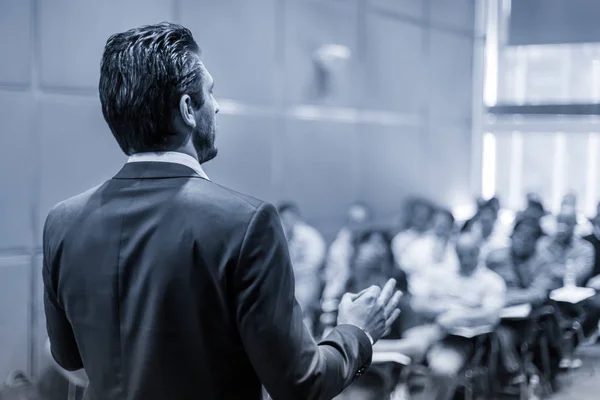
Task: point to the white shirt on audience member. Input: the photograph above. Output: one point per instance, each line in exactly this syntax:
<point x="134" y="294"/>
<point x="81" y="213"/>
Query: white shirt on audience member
<point x="498" y="239"/>
<point x="403" y="240"/>
<point x="484" y="289"/>
<point x="307" y="252"/>
<point x="337" y="268"/>
<point x="425" y="255"/>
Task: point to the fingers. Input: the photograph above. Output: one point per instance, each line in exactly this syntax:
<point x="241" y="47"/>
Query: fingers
<point x="392" y="318"/>
<point x="371" y="291"/>
<point x="350" y="297"/>
<point x="387" y="332"/>
<point x="392" y="304"/>
<point x="387" y="323"/>
<point x="354" y="296"/>
<point x="387" y="292"/>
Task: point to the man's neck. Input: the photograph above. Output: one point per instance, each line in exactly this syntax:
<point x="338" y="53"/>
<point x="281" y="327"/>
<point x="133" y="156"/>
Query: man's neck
<point x="487" y="231"/>
<point x="186" y="149"/>
<point x="442" y="238"/>
<point x="469" y="274"/>
<point x="565" y="243"/>
<point x="520" y="258"/>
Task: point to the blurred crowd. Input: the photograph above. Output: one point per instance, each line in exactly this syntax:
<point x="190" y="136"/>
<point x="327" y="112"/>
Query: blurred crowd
<point x="461" y="281"/>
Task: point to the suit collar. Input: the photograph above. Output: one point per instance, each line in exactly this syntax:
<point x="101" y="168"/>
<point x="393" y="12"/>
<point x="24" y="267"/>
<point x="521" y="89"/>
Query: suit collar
<point x="161" y="165"/>
<point x="170" y="157"/>
<point x="155" y="170"/>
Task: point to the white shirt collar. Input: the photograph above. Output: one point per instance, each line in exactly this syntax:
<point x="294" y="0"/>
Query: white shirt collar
<point x="170" y="157"/>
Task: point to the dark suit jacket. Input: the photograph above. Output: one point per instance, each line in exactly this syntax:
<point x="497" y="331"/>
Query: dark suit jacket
<point x="164" y="285"/>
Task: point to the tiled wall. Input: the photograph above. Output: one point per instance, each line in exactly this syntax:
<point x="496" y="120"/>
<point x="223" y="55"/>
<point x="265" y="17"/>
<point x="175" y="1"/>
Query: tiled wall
<point x="398" y="120"/>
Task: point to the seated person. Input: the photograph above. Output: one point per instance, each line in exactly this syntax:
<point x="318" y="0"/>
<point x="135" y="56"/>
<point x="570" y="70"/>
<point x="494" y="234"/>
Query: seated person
<point x="373" y="264"/>
<point x="528" y="277"/>
<point x="590" y="324"/>
<point x="535" y="208"/>
<point x="419" y="213"/>
<point x="469" y="297"/>
<point x="337" y="265"/>
<point x="568" y="204"/>
<point x="491" y="232"/>
<point x="307" y="253"/>
<point x="563" y="247"/>
<point x="528" y="274"/>
<point x="434" y="251"/>
<point x="573" y="260"/>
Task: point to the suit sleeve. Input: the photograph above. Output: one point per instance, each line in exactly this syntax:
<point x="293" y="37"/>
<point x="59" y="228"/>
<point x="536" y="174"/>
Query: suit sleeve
<point x="62" y="339"/>
<point x="286" y="358"/>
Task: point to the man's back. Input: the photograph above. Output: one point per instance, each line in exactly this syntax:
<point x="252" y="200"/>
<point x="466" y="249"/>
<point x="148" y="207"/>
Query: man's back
<point x="122" y="248"/>
<point x="147" y="270"/>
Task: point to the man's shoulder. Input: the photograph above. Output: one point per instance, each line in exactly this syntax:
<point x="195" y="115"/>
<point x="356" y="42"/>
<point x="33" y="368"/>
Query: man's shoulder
<point x="584" y="244"/>
<point x="428" y="240"/>
<point x="71" y="206"/>
<point x="490" y="278"/>
<point x="310" y="232"/>
<point x="544" y="242"/>
<point x="224" y="207"/>
<point x="196" y="198"/>
<point x="499" y="255"/>
<point x="221" y="195"/>
<point x="500" y="252"/>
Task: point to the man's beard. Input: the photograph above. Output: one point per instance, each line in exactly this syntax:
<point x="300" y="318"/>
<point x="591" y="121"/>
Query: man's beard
<point x="204" y="141"/>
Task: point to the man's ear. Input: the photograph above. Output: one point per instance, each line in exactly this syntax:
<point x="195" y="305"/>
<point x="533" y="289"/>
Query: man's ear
<point x="187" y="111"/>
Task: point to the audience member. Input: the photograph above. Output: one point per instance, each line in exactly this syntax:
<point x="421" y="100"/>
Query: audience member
<point x="470" y="297"/>
<point x="373" y="264"/>
<point x="535" y="208"/>
<point x="564" y="249"/>
<point x="528" y="277"/>
<point x="573" y="260"/>
<point x="418" y="223"/>
<point x="485" y="226"/>
<point x="527" y="273"/>
<point x="592" y="306"/>
<point x="569" y="203"/>
<point x="432" y="251"/>
<point x="337" y="265"/>
<point x="593" y="280"/>
<point x="307" y="253"/>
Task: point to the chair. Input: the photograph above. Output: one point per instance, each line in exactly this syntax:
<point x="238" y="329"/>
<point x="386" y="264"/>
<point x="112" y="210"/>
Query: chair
<point x="535" y="342"/>
<point x="476" y="378"/>
<point x="569" y="299"/>
<point x="399" y="390"/>
<point x="573" y="338"/>
<point x="478" y="375"/>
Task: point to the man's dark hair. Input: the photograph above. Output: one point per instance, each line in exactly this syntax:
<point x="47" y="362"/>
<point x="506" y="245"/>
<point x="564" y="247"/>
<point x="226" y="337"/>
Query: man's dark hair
<point x="492" y="204"/>
<point x="536" y="205"/>
<point x="532" y="222"/>
<point x="446" y="213"/>
<point x="389" y="267"/>
<point x="143" y="74"/>
<point x="369" y="230"/>
<point x="364" y="234"/>
<point x="417" y="202"/>
<point x="288" y="206"/>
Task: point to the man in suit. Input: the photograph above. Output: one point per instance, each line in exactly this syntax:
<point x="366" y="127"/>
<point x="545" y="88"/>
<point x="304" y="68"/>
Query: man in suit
<point x="164" y="285"/>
